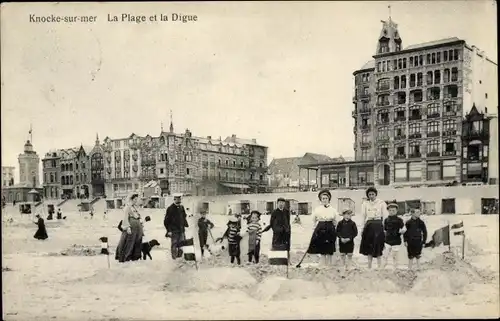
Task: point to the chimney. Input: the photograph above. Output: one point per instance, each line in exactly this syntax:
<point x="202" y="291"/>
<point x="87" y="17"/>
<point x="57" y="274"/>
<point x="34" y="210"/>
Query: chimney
<point x="209" y="137"/>
<point x="254" y="140"/>
<point x="233" y="136"/>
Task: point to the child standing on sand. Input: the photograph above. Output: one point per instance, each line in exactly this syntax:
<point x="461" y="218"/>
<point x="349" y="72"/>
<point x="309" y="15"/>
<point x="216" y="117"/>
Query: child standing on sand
<point x="254" y="234"/>
<point x="233" y="239"/>
<point x="393" y="227"/>
<point x="347" y="232"/>
<point x="415" y="238"/>
<point x="203" y="226"/>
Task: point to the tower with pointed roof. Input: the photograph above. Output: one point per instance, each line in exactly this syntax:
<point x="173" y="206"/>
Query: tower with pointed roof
<point x="29" y="164"/>
<point x="171" y="123"/>
<point x="389" y="39"/>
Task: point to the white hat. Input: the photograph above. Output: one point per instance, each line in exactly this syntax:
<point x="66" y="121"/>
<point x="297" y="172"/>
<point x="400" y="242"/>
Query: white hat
<point x="177" y="195"/>
<point x="233" y="219"/>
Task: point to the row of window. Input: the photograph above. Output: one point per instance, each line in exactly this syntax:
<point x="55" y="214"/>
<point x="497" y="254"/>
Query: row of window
<point x="448" y="147"/>
<point x="432" y="78"/>
<point x="404" y="172"/>
<point x="65" y="179"/>
<point x="416" y="96"/>
<point x="125" y="187"/>
<point x="415" y="128"/>
<point x="418" y="60"/>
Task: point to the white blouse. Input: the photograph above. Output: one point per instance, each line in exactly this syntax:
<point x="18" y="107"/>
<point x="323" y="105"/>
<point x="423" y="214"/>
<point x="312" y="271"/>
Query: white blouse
<point x="129" y="211"/>
<point x="376" y="209"/>
<point x="325" y="214"/>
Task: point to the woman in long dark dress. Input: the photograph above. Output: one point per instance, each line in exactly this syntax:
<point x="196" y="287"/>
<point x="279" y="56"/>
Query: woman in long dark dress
<point x="41" y="233"/>
<point x="373" y="212"/>
<point x="324" y="236"/>
<point x="129" y="247"/>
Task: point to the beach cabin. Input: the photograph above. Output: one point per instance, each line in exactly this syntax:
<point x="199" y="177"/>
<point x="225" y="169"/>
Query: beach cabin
<point x="110" y="204"/>
<point x="25" y="207"/>
<point x="84" y="206"/>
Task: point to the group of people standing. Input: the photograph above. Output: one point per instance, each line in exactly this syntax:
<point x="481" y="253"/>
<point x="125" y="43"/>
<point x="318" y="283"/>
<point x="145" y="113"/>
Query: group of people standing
<point x="381" y="229"/>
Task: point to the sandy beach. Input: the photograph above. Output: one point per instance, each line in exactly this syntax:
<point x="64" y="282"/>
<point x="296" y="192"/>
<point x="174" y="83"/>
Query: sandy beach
<point x="64" y="277"/>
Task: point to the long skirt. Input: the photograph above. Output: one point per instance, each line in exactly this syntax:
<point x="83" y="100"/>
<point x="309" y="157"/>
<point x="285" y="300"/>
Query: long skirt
<point x="323" y="239"/>
<point x="372" y="239"/>
<point x="281" y="240"/>
<point x="41" y="233"/>
<point x="129" y="247"/>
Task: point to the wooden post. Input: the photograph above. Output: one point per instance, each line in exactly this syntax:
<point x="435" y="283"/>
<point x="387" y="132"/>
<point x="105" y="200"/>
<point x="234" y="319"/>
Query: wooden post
<point x="449" y="237"/>
<point x="463" y="246"/>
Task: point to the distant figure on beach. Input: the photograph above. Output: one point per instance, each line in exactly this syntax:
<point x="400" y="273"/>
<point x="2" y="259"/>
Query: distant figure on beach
<point x="129" y="247"/>
<point x="41" y="233"/>
<point x="59" y="214"/>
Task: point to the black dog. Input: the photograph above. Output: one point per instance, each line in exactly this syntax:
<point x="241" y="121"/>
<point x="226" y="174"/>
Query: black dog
<point x="146" y="248"/>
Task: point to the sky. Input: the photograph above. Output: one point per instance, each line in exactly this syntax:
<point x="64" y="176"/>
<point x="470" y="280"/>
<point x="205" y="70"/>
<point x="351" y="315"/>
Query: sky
<point x="278" y="72"/>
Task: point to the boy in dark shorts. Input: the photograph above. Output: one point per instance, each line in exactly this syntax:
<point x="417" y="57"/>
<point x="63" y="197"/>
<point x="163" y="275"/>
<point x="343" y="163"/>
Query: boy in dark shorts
<point x="393" y="227"/>
<point x="415" y="238"/>
<point x="347" y="232"/>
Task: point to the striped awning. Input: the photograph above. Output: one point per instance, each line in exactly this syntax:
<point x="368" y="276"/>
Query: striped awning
<point x="240" y="186"/>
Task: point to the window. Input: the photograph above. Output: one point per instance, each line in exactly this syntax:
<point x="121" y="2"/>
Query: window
<point x="448" y="206"/>
<point x="449" y="146"/>
<point x="415" y="171"/>
<point x="420" y="78"/>
<point x="432" y="109"/>
<point x="415" y="128"/>
<point x="365" y="154"/>
<point x="365" y="138"/>
<point x="449" y="169"/>
<point x="437" y="77"/>
<point x="115" y="187"/>
<point x="365" y="90"/>
<point x="446" y="76"/>
<point x="117" y="144"/>
<point x="412" y="80"/>
<point x="404" y="63"/>
<point x="433" y="127"/>
<point x="429" y="78"/>
<point x="433" y="58"/>
<point x="411" y="62"/>
<point x="403" y="82"/>
<point x="449" y="124"/>
<point x="454" y="74"/>
<point x="383" y="132"/>
<point x="400" y="172"/>
<point x="400" y="114"/>
<point x="433" y="147"/>
<point x="399" y="131"/>
<point x="396" y="82"/>
<point x="433" y="171"/>
<point x="400" y="151"/>
<point x="428" y="59"/>
<point x="456" y="54"/>
<point x="445" y="55"/>
<point x="421" y="60"/>
<point x="433" y="93"/>
<point x="187" y="171"/>
<point x="450" y="106"/>
<point x="438" y="57"/>
<point x="161" y="171"/>
<point x="384" y="84"/>
<point x="414" y="149"/>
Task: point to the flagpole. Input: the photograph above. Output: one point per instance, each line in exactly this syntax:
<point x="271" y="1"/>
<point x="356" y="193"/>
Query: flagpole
<point x="449" y="237"/>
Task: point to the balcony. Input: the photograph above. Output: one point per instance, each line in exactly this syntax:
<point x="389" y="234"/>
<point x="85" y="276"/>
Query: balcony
<point x="433" y="154"/>
<point x="383" y="122"/>
<point x="449" y="153"/>
<point x="382" y="139"/>
<point x="450" y="113"/>
<point x="400" y="118"/>
<point x="450" y="96"/>
<point x="433" y="115"/>
<point x="365" y="127"/>
<point x="383" y="88"/>
<point x="415" y="155"/>
<point x="415" y="135"/>
<point x="365" y="111"/>
<point x="383" y="157"/>
<point x="476" y="134"/>
<point x="400" y="156"/>
<point x="383" y="103"/>
<point x="449" y="132"/>
<point x="364" y="96"/>
<point x="399" y="137"/>
<point x="415" y="117"/>
<point x="366" y="144"/>
<point x="433" y="134"/>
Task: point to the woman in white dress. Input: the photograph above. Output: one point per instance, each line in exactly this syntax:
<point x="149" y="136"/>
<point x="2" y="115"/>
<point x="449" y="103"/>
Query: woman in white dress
<point x="373" y="212"/>
<point x="324" y="236"/>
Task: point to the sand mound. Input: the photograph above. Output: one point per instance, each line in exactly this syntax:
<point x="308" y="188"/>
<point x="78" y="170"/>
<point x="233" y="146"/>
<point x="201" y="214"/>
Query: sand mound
<point x="78" y="250"/>
<point x="209" y="279"/>
<point x="278" y="288"/>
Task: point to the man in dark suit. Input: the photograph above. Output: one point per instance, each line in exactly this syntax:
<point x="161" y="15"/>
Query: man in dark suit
<point x="280" y="224"/>
<point x="175" y="223"/>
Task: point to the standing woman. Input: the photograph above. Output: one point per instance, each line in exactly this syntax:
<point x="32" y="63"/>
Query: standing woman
<point x="324" y="235"/>
<point x="373" y="212"/>
<point x="41" y="233"/>
<point x="129" y="247"/>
